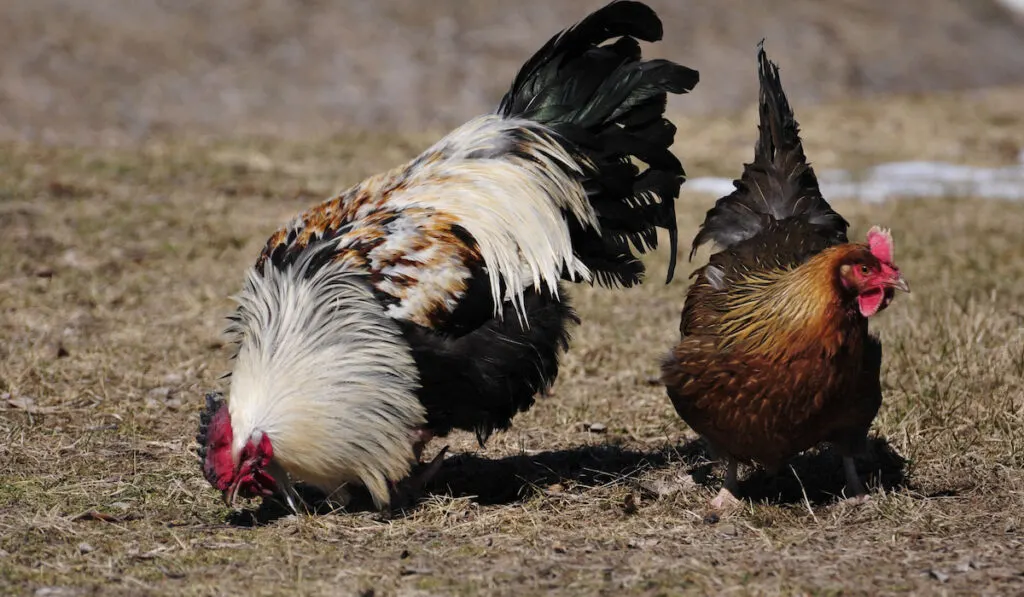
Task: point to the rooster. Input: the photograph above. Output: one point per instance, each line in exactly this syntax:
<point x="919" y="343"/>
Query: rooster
<point x="429" y="298"/>
<point x="775" y="355"/>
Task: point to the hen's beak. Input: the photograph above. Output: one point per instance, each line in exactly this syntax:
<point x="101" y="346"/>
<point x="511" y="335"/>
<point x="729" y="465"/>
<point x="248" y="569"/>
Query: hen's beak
<point x="900" y="283"/>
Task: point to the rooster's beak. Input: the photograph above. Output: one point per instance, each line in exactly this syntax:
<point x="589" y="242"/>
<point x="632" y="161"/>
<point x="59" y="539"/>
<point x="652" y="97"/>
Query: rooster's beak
<point x="900" y="283"/>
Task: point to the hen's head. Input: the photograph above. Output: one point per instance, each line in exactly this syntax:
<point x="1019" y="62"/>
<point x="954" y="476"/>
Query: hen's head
<point x="869" y="274"/>
<point x="237" y="470"/>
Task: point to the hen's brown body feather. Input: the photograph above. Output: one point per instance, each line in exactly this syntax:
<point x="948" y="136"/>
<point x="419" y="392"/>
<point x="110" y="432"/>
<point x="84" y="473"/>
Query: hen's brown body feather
<point x="775" y="364"/>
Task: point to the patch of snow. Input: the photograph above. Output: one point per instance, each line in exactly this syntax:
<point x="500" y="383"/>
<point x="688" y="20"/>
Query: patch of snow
<point x="903" y="179"/>
<point x="1013" y="5"/>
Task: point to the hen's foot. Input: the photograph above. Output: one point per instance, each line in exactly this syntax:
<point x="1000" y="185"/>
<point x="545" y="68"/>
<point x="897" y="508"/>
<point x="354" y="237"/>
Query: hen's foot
<point x="857" y="500"/>
<point x="725" y="501"/>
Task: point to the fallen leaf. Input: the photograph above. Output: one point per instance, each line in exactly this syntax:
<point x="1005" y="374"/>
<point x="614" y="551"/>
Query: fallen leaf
<point x="63" y="190"/>
<point x="629" y="505"/>
<point x="729" y="530"/>
<point x="636" y="543"/>
<point x="938" y="575"/>
<point x="660" y="488"/>
<point x="58" y="592"/>
<point x="101" y="516"/>
<point x="173" y="379"/>
<point x="22" y="402"/>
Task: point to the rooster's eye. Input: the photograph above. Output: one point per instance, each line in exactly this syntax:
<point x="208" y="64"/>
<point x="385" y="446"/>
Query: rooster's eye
<point x="864" y="269"/>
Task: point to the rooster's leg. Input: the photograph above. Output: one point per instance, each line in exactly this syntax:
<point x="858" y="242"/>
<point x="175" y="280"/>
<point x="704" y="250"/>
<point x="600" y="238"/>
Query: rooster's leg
<point x="411" y="488"/>
<point x="422" y="437"/>
<point x="726" y="498"/>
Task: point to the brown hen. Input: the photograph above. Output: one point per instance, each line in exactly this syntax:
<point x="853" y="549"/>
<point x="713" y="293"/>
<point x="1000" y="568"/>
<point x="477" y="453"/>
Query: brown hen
<point x="775" y="355"/>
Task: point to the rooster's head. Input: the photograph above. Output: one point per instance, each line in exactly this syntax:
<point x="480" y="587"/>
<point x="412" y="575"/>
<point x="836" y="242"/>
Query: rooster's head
<point x="238" y="469"/>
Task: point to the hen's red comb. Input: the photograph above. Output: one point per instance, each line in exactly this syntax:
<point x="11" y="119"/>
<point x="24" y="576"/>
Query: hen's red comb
<point x="880" y="242"/>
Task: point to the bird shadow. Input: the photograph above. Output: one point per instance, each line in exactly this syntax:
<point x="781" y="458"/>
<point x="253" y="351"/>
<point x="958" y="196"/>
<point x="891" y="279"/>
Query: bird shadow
<point x="814" y="477"/>
<point x="516" y="478"/>
<point x="498" y="481"/>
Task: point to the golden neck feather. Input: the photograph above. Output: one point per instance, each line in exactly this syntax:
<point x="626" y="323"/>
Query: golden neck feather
<point x="783" y="312"/>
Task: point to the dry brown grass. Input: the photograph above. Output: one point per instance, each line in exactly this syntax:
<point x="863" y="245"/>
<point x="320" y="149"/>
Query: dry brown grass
<point x="116" y="268"/>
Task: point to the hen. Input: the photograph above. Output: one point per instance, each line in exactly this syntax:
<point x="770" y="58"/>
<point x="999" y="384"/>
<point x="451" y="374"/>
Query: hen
<point x="429" y="298"/>
<point x="775" y="355"/>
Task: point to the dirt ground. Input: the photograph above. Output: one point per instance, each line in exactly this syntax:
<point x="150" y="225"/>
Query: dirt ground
<point x="117" y="268"/>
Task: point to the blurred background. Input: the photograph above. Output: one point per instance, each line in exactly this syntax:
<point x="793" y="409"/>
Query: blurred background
<point x="129" y="69"/>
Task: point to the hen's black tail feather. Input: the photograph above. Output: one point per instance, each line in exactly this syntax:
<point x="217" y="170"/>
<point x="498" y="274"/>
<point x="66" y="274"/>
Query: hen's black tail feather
<point x="607" y="105"/>
<point x="778" y="185"/>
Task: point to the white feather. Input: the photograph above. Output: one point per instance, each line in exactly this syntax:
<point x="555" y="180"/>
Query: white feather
<point x="325" y="373"/>
<point x="512" y="204"/>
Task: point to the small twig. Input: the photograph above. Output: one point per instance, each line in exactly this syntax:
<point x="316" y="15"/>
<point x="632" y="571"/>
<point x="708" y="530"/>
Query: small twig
<point x="807" y="502"/>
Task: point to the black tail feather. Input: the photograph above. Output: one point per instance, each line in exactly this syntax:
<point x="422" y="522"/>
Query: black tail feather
<point x="778" y="185"/>
<point x="607" y="105"/>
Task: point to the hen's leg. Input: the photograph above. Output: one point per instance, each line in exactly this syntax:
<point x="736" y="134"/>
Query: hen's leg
<point x="854" y="488"/>
<point x="726" y="498"/>
<point x="852" y="444"/>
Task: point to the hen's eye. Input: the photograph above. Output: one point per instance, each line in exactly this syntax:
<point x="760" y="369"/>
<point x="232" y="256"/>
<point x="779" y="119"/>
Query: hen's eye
<point x="864" y="269"/>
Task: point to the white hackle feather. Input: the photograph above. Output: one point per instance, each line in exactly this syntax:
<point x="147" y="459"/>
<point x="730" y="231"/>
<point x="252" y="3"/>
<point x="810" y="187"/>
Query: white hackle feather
<point x="507" y="181"/>
<point x="326" y="374"/>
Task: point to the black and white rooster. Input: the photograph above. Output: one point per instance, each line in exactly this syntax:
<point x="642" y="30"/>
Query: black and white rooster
<point x="429" y="297"/>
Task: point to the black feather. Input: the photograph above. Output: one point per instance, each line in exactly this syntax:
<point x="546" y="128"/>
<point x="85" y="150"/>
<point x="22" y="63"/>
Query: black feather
<point x="214" y="402"/>
<point x="479" y="381"/>
<point x="779" y="187"/>
<point x="607" y="105"/>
